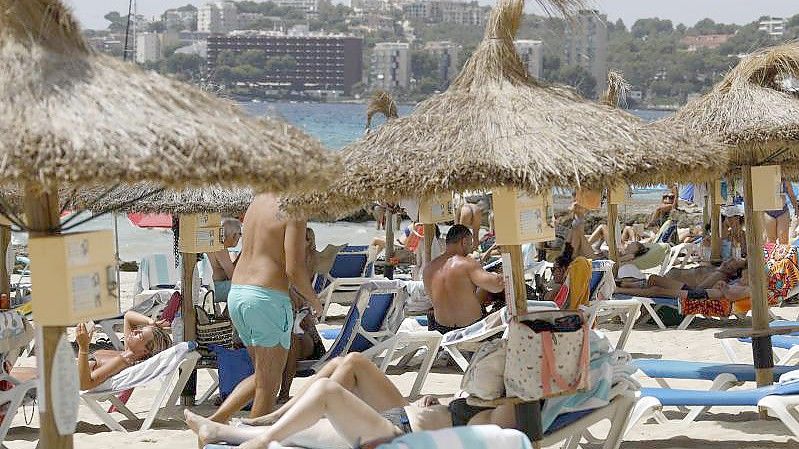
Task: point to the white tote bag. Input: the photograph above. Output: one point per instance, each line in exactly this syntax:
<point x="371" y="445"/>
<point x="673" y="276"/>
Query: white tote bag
<point x="547" y="355"/>
<point x="484" y="378"/>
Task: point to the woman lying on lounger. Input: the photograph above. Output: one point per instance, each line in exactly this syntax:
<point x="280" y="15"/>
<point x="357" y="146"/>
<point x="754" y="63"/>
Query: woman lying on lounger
<point x="144" y="337"/>
<point x="660" y="286"/>
<point x="359" y="401"/>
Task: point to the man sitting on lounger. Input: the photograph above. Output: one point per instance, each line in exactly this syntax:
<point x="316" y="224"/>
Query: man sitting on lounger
<point x="452" y="279"/>
<point x="221" y="263"/>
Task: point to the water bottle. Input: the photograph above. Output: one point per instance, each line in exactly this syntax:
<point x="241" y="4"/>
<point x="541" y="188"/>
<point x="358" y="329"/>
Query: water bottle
<point x="177" y="327"/>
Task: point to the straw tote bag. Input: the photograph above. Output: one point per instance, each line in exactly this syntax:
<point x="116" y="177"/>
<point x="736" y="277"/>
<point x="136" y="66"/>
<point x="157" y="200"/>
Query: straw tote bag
<point x="547" y="355"/>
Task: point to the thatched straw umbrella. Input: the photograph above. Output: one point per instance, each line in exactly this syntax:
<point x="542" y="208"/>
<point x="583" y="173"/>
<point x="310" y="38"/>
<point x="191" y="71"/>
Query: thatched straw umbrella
<point x="495" y="126"/>
<point x="70" y="116"/>
<point x="752" y="111"/>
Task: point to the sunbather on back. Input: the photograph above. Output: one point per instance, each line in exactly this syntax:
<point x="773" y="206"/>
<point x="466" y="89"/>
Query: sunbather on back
<point x="660" y="286"/>
<point x="144" y="337"/>
<point x="451" y="280"/>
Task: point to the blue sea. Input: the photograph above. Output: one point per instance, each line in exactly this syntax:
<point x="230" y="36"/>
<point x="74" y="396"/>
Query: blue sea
<point x="335" y="125"/>
<point x="338" y="124"/>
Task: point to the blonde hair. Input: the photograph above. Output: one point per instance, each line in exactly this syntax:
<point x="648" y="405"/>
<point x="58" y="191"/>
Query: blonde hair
<point x="160" y="341"/>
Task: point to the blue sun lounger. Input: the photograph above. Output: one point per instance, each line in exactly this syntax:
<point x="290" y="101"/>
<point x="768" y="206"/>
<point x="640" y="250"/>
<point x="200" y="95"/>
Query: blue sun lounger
<point x="789" y="342"/>
<point x="780" y="400"/>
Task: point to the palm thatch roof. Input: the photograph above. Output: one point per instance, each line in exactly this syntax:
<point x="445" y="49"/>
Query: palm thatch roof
<point x="497" y="126"/>
<point x="381" y="103"/>
<point x="616" y="93"/>
<point x="140" y="198"/>
<point x="71" y="116"/>
<point x="751" y="109"/>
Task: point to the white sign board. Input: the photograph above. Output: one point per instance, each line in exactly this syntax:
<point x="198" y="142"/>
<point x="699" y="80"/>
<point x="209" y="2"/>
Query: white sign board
<point x="64" y="387"/>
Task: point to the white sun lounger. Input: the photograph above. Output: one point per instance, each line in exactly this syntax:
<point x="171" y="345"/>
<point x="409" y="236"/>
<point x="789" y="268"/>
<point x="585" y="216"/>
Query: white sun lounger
<point x="17" y="333"/>
<point x="172" y="367"/>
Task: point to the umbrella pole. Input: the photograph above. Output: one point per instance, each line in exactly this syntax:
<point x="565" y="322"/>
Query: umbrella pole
<point x="715" y="225"/>
<point x="189" y="319"/>
<point x="5" y="239"/>
<point x="116" y="248"/>
<point x="388" y="271"/>
<point x="761" y="345"/>
<point x="517" y="276"/>
<point x="429" y="234"/>
<point x="613" y="250"/>
<point x="41" y="209"/>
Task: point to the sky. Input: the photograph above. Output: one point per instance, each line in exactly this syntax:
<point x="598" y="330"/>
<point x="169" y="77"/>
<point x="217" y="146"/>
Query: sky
<point x="91" y="12"/>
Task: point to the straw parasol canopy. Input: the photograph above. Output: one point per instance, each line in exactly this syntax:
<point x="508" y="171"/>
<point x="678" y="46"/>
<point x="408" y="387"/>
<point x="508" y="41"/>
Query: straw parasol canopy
<point x="616" y="93"/>
<point x="381" y="103"/>
<point x="752" y="109"/>
<point x="71" y="116"/>
<point x="497" y="126"/>
<point x="140" y="198"/>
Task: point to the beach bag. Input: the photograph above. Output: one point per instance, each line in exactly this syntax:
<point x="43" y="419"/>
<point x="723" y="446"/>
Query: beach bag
<point x="547" y="355"/>
<point x="484" y="378"/>
<point x="234" y="365"/>
<point x="217" y="330"/>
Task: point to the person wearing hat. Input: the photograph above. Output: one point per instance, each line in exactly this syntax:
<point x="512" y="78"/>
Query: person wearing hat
<point x="733" y="239"/>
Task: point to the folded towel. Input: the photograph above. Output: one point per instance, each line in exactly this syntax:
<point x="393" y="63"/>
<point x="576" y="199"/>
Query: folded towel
<point x="157" y="366"/>
<point x="466" y="437"/>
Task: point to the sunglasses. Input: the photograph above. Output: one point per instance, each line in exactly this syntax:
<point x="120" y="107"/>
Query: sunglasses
<point x="570" y="323"/>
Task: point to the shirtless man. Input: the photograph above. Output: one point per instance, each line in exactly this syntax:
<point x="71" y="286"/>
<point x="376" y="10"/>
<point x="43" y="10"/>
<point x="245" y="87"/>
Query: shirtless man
<point x="221" y="263"/>
<point x="272" y="258"/>
<point x="471" y="216"/>
<point x="452" y="279"/>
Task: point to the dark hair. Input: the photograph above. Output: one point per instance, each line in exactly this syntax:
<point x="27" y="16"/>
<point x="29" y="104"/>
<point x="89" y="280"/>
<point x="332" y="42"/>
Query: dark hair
<point x="566" y="257"/>
<point x="457" y="233"/>
<point x="438" y="232"/>
<point x="641" y="251"/>
<point x="629" y="222"/>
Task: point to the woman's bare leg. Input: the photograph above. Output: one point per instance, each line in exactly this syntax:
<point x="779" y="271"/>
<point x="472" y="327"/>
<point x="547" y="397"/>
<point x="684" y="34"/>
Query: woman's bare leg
<point x="769" y="227"/>
<point x="651" y="292"/>
<point x="600" y="234"/>
<point x="352" y="418"/>
<point x="356" y="374"/>
<point x="664" y="282"/>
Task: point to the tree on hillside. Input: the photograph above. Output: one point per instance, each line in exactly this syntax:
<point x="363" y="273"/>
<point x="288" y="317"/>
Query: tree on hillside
<point x="579" y="78"/>
<point x="424" y="65"/>
<point x="118" y="22"/>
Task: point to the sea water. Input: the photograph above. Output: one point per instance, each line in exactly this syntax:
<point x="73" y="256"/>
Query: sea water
<point x="334" y="124"/>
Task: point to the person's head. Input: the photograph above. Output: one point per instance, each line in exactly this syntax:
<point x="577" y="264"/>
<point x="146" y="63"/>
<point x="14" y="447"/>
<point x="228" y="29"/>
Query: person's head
<point x="459" y="240"/>
<point x="232" y="229"/>
<point x="146" y="341"/>
<point x="562" y="263"/>
<point x="733" y="267"/>
<point x="629" y="223"/>
<point x="636" y="249"/>
<point x="668" y="198"/>
<point x="578" y="210"/>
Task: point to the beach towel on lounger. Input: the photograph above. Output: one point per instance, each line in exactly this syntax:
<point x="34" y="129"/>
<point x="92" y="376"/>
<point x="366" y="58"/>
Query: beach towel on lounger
<point x="579" y="279"/>
<point x="465" y="437"/>
<point x="157" y="366"/>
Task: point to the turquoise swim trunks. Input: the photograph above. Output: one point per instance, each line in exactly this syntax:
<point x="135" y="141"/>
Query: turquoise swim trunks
<point x="221" y="291"/>
<point x="262" y="316"/>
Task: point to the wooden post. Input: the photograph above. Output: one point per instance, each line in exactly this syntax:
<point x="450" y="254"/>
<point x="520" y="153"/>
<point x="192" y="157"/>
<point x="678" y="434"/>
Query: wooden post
<point x="762" y="352"/>
<point x="517" y="274"/>
<point x="41" y="209"/>
<point x="429" y="235"/>
<point x="715" y="223"/>
<point x="5" y="279"/>
<point x="189" y="261"/>
<point x="388" y="271"/>
<point x="613" y="249"/>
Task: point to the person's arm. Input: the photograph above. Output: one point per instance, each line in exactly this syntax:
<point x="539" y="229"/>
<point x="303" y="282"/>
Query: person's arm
<point x="135" y="319"/>
<point x="491" y="282"/>
<point x="89" y="378"/>
<point x="222" y="257"/>
<point x="675" y="190"/>
<point x="489" y="253"/>
<point x="296" y="268"/>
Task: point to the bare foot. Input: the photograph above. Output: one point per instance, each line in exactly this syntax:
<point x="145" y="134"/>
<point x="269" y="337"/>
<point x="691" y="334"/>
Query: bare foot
<point x="193" y="420"/>
<point x="266" y="420"/>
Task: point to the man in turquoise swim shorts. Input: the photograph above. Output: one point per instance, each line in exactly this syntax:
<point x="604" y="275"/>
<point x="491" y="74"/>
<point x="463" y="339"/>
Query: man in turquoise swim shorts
<point x="272" y="259"/>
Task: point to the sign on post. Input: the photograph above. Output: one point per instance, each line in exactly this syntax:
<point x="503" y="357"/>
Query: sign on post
<point x="75" y="278"/>
<point x="200" y="233"/>
<point x="436" y="209"/>
<point x="520" y="218"/>
<point x="767" y="188"/>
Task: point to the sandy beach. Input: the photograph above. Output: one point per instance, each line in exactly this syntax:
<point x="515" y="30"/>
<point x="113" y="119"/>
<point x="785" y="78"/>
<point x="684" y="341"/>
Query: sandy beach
<point x="722" y="428"/>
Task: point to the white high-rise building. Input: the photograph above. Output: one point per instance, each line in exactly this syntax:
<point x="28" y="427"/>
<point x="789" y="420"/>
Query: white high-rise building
<point x="587" y="43"/>
<point x="774" y="26"/>
<point x="303" y="5"/>
<point x="532" y="56"/>
<point x="391" y="65"/>
<point x="148" y="47"/>
<point x="219" y="17"/>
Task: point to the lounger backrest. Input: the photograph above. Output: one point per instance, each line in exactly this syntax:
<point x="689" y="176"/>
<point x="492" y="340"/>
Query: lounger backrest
<point x="351" y="262"/>
<point x="379" y="307"/>
<point x="15" y="334"/>
<point x="601" y="270"/>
